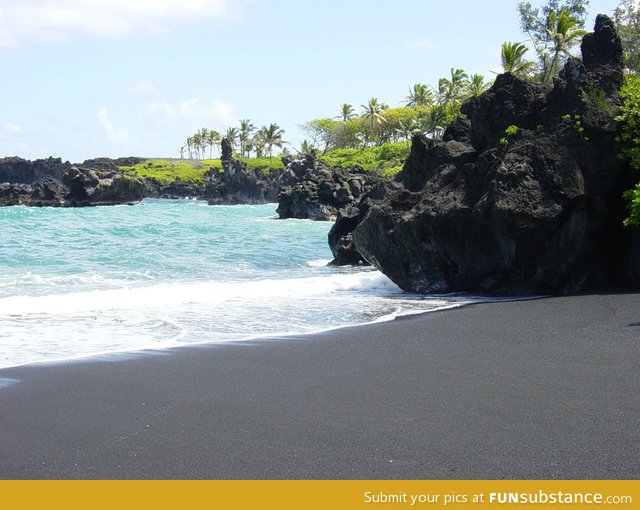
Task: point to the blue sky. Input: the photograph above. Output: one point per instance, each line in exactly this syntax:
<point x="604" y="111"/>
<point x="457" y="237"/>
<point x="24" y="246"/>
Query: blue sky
<point x="88" y="78"/>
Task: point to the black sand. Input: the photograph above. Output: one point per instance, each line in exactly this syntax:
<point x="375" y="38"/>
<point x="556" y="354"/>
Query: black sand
<point x="539" y="389"/>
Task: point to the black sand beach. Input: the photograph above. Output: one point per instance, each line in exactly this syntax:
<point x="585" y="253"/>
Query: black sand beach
<point x="543" y="389"/>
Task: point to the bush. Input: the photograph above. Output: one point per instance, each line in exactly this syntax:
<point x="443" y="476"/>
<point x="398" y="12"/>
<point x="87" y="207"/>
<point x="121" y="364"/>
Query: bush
<point x="388" y="159"/>
<point x="629" y="120"/>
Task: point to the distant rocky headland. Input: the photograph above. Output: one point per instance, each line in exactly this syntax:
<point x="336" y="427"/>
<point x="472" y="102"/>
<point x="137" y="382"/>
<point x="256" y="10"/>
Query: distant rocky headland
<point x="50" y="182"/>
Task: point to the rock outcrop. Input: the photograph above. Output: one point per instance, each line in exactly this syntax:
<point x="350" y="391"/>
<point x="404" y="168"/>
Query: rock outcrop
<point x="522" y="196"/>
<point x="238" y="184"/>
<point x="58" y="184"/>
<point x="21" y="171"/>
<point x="153" y="188"/>
<point x="88" y="187"/>
<point x="311" y="190"/>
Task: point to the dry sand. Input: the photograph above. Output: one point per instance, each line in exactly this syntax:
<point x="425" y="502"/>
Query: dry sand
<point x="543" y="389"/>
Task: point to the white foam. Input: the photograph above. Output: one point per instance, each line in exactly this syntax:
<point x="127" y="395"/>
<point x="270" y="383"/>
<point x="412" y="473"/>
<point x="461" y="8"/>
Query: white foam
<point x="319" y="263"/>
<point x="176" y="294"/>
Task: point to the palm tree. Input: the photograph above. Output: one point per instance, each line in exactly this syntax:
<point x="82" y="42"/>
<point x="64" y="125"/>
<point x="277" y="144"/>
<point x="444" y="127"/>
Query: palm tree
<point x="451" y="91"/>
<point x="196" y="141"/>
<point x="476" y="86"/>
<point x="306" y="148"/>
<point x="204" y="137"/>
<point x="513" y="61"/>
<point x="564" y="32"/>
<point x="182" y="151"/>
<point x="272" y="137"/>
<point x="346" y="112"/>
<point x="244" y="135"/>
<point x="405" y="130"/>
<point x="436" y="120"/>
<point x="258" y="143"/>
<point x="213" y="138"/>
<point x="232" y="136"/>
<point x="190" y="146"/>
<point x="372" y="112"/>
<point x="420" y="95"/>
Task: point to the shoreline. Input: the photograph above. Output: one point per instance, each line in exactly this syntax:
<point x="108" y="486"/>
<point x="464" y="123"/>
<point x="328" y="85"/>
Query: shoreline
<point x="536" y="389"/>
<point x="113" y="356"/>
<point x="252" y="337"/>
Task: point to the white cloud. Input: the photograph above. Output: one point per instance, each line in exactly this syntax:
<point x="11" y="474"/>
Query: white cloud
<point x="12" y="129"/>
<point x="421" y="45"/>
<point x="223" y="112"/>
<point x="144" y="88"/>
<point x="115" y="135"/>
<point x="189" y="106"/>
<point x="190" y="114"/>
<point x="52" y="21"/>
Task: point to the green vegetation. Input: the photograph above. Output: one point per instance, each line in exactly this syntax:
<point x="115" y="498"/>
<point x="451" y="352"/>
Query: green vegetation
<point x="596" y="96"/>
<point x="554" y="29"/>
<point x="428" y="110"/>
<point x="576" y="123"/>
<point x="387" y="158"/>
<point x="263" y="164"/>
<point x="627" y="19"/>
<point x="513" y="61"/>
<point x="509" y="132"/>
<point x="633" y="200"/>
<point x="192" y="172"/>
<point x="629" y="120"/>
<point x="166" y="172"/>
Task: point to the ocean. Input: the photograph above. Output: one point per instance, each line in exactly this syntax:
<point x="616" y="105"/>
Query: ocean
<point x="83" y="282"/>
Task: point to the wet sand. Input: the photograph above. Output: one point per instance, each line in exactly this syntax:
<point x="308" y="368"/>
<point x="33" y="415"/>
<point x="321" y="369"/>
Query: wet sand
<point x="542" y="389"/>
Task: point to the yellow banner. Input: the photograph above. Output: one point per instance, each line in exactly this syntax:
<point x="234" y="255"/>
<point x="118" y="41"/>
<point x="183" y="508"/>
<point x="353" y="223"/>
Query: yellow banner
<point x="325" y="495"/>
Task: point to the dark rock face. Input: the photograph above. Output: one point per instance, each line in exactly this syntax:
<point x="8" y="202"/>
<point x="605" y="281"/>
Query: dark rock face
<point x="20" y="171"/>
<point x="45" y="192"/>
<point x="341" y="238"/>
<point x="88" y="187"/>
<point x="313" y="191"/>
<point x="77" y="187"/>
<point x="153" y="188"/>
<point x="238" y="184"/>
<point x="540" y="214"/>
<point x="602" y="47"/>
<point x="111" y="165"/>
<point x="226" y="151"/>
<point x="174" y="190"/>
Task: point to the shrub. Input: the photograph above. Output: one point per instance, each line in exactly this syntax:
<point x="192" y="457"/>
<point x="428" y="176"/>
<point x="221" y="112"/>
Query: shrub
<point x="388" y="158"/>
<point x="633" y="200"/>
<point x="629" y="120"/>
<point x="511" y="130"/>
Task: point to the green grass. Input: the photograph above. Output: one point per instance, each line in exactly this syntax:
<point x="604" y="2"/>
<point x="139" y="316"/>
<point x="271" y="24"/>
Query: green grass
<point x="211" y="164"/>
<point x="166" y="172"/>
<point x="263" y="164"/>
<point x="387" y="159"/>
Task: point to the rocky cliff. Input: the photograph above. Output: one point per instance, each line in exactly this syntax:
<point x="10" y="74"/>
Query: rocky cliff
<point x="50" y="182"/>
<point x="238" y="184"/>
<point x="522" y="196"/>
<point x="312" y="190"/>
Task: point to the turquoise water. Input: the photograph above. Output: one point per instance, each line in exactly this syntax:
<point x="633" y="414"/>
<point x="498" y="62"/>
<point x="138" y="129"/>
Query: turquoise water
<point x="162" y="274"/>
